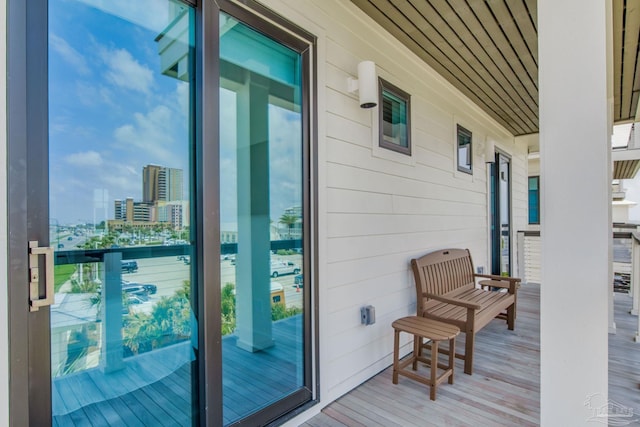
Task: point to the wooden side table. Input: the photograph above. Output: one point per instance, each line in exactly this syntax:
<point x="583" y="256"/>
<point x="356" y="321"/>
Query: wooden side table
<point x="433" y="330"/>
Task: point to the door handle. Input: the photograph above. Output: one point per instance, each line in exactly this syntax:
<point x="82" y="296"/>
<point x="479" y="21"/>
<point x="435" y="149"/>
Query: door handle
<point x="35" y="302"/>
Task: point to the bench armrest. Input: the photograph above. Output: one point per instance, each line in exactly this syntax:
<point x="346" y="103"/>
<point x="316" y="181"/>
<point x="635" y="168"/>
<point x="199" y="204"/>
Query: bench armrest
<point x="454" y="301"/>
<point x="500" y="278"/>
<point x="510" y="283"/>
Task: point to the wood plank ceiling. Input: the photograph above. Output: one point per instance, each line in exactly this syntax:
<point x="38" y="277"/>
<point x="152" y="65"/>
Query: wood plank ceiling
<point x="488" y="50"/>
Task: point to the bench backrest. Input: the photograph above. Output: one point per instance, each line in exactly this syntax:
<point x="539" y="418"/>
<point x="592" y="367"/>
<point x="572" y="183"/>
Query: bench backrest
<point x="441" y="272"/>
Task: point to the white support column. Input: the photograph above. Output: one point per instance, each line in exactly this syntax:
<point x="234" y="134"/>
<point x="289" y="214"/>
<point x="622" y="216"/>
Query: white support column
<point x="575" y="209"/>
<point x="634" y="288"/>
<point x="635" y="280"/>
<point x="111" y="357"/>
<point x="253" y="282"/>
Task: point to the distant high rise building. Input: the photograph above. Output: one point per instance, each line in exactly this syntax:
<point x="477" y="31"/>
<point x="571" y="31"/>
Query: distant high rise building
<point x="120" y="210"/>
<point x="151" y="183"/>
<point x="173" y="184"/>
<point x="161" y="184"/>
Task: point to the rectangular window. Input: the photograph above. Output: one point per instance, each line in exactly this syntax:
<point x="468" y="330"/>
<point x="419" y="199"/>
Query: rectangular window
<point x="465" y="152"/>
<point x="394" y="113"/>
<point x="534" y="200"/>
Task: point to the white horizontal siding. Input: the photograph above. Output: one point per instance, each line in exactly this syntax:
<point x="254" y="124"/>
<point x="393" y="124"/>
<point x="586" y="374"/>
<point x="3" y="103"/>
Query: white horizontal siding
<point x="532" y="259"/>
<point x="622" y="267"/>
<point x="378" y="209"/>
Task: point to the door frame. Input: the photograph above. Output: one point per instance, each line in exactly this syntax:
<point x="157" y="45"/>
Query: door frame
<point x="495" y="221"/>
<point x="28" y="207"/>
<point x="26" y="139"/>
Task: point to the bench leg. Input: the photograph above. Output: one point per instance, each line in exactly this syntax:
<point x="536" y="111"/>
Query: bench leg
<point x="468" y="352"/>
<point x="434" y="370"/>
<point x="417" y="350"/>
<point x="396" y="352"/>
<point x="511" y="317"/>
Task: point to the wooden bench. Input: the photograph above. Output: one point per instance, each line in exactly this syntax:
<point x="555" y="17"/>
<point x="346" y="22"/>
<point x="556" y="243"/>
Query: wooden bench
<point x="447" y="291"/>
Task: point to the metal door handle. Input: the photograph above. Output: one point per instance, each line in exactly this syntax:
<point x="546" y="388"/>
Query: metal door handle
<point x="35" y="302"/>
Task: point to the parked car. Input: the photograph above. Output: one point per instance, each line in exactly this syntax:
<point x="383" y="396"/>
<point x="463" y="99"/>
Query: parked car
<point x="298" y="280"/>
<point x="132" y="287"/>
<point x="278" y="268"/>
<point x="150" y="288"/>
<point x="136" y="299"/>
<point x="129" y="266"/>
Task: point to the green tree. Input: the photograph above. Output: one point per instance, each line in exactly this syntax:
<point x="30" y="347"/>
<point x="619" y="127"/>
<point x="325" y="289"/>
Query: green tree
<point x="228" y="309"/>
<point x="280" y="311"/>
<point x="289" y="221"/>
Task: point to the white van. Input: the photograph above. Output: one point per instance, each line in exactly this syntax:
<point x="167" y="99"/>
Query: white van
<point x="278" y="268"/>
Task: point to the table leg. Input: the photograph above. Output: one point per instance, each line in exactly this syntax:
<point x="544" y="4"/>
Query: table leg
<point x="452" y="357"/>
<point x="396" y="351"/>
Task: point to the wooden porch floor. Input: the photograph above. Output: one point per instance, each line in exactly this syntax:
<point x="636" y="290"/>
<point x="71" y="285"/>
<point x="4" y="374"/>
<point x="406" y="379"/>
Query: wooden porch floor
<point x="155" y="388"/>
<point x="504" y="389"/>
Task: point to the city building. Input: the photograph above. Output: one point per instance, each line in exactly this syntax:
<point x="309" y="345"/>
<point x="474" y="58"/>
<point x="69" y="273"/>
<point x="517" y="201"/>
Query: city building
<point x="160" y="183"/>
<point x="162" y="200"/>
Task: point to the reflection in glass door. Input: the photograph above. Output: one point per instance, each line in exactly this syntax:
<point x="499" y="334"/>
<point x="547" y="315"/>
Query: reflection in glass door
<point x="501" y="215"/>
<point x="122" y="327"/>
<point x="262" y="222"/>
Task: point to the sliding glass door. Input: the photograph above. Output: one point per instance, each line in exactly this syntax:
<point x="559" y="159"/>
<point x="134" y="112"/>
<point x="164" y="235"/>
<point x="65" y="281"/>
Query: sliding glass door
<point x="123" y="324"/>
<point x="262" y="214"/>
<point x="120" y="211"/>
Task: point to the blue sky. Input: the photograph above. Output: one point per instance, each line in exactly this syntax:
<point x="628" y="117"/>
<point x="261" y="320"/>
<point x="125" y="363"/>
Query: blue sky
<point x="111" y="112"/>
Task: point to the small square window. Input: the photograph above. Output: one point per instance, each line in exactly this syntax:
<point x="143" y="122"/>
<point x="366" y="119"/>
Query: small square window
<point x="534" y="200"/>
<point x="465" y="152"/>
<point x="394" y="112"/>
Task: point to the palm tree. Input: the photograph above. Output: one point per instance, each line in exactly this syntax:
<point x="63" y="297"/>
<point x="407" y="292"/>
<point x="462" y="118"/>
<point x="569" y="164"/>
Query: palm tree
<point x="289" y="221"/>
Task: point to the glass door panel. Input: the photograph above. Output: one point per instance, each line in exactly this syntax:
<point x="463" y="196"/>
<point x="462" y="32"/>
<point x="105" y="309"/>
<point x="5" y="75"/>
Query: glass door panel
<point x="504" y="177"/>
<point x="123" y="325"/>
<point x="261" y="200"/>
<point x="500" y="211"/>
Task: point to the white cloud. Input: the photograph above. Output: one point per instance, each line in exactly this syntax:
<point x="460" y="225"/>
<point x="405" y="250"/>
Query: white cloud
<point x="182" y="94"/>
<point x="69" y="54"/>
<point x="86" y="159"/>
<point x="123" y="181"/>
<point x="125" y="71"/>
<point x="151" y="135"/>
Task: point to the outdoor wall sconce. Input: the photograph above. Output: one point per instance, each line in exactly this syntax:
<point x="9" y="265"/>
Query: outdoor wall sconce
<point x="489" y="151"/>
<point x="366" y="84"/>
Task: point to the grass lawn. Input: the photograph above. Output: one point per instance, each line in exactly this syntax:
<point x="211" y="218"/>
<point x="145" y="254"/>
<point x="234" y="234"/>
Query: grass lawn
<point x="62" y="274"/>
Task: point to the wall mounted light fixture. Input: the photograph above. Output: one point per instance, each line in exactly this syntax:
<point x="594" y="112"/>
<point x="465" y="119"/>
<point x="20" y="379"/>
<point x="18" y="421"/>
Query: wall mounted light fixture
<point x="366" y="84"/>
<point x="489" y="151"/>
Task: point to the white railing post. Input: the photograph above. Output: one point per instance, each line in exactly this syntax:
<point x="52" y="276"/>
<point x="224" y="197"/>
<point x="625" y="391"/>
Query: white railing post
<point x="635" y="279"/>
<point x="520" y="254"/>
<point x="634" y="288"/>
<point x="111" y="354"/>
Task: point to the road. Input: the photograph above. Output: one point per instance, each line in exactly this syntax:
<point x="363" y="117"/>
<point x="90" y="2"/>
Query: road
<point x="169" y="273"/>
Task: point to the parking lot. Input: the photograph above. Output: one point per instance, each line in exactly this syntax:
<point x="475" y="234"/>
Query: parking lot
<point x="169" y="273"/>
